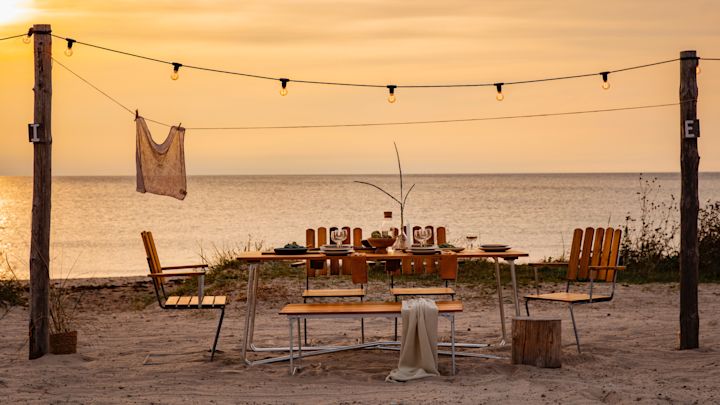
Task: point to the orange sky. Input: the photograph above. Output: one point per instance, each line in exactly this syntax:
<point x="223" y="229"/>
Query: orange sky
<point x="375" y="41"/>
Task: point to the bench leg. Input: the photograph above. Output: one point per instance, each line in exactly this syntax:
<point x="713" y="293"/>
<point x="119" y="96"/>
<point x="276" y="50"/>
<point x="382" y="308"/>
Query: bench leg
<point x="217" y="333"/>
<point x="452" y="341"/>
<point x="299" y="344"/>
<point x="290" y="346"/>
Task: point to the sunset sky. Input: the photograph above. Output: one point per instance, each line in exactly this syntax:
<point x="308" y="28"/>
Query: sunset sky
<point x="369" y="41"/>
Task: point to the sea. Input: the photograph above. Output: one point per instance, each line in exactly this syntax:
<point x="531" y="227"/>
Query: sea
<point x="96" y="221"/>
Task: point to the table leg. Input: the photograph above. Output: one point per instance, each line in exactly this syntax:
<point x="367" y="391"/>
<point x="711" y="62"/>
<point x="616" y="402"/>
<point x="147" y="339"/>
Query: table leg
<point x="290" y="347"/>
<point x="514" y="286"/>
<point x="500" y="301"/>
<point x="250" y="309"/>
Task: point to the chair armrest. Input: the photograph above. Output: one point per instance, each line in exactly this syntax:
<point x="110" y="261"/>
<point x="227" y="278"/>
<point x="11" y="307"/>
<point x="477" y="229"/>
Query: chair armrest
<point x="607" y="267"/>
<point x="190" y="266"/>
<point x="179" y="274"/>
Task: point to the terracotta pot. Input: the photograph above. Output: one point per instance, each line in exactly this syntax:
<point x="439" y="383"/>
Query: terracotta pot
<point x="63" y="343"/>
<point x="381" y="244"/>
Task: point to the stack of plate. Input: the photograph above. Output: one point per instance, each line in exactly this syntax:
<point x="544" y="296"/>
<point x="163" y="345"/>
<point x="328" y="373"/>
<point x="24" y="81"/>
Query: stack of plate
<point x="495" y="247"/>
<point x="423" y="250"/>
<point x="337" y="250"/>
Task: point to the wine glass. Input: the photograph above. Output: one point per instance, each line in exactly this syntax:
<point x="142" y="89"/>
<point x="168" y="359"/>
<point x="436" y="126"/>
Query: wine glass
<point x="422" y="235"/>
<point x="338" y="236"/>
<point x="471" y="238"/>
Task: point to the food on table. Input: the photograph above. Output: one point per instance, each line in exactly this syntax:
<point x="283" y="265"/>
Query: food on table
<point x="378" y="235"/>
<point x="446" y="246"/>
<point x="293" y="245"/>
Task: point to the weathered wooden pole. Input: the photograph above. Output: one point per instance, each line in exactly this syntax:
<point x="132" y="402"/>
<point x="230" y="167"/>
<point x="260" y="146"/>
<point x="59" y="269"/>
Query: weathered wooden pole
<point x="689" y="202"/>
<point x="41" y="136"/>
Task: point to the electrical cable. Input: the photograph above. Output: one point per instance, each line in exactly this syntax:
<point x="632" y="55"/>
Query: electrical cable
<point x="372" y="85"/>
<point x="14" y="36"/>
<point x="376" y="124"/>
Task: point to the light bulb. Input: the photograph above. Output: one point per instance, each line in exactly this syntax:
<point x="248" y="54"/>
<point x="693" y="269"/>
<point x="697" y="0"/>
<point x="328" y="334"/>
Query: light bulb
<point x="391" y="93"/>
<point x="176" y="67"/>
<point x="283" y="89"/>
<point x="69" y="50"/>
<point x="605" y="84"/>
<point x="26" y="39"/>
<point x="499" y="96"/>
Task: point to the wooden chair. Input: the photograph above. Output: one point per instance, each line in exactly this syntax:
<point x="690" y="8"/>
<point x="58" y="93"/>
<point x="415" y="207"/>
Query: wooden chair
<point x="337" y="266"/>
<point x="594" y="258"/>
<point x="200" y="301"/>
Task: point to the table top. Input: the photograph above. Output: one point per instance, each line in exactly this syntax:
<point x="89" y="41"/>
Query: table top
<point x="465" y="254"/>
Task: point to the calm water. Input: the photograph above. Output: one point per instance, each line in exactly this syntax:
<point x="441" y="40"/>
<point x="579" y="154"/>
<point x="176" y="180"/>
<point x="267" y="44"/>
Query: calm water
<point x="96" y="221"/>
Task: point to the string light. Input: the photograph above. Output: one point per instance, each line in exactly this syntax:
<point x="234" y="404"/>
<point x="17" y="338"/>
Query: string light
<point x="391" y="95"/>
<point x="283" y="90"/>
<point x="176" y="66"/>
<point x="26" y="39"/>
<point x="605" y="84"/>
<point x="499" y="96"/>
<point x="69" y="50"/>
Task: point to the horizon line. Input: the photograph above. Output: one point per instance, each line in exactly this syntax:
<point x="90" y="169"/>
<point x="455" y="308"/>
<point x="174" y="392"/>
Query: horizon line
<point x="374" y="174"/>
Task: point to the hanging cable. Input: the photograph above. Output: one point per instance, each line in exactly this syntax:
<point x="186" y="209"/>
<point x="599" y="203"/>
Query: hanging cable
<point x="15" y="36"/>
<point x="329" y="83"/>
<point x="377" y="124"/>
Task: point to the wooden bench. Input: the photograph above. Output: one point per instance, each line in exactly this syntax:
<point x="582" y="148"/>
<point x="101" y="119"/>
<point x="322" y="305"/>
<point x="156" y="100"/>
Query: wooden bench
<point x="297" y="312"/>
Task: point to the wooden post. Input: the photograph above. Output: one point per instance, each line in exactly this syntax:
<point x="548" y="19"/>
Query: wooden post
<point x="689" y="203"/>
<point x="536" y="341"/>
<point x="40" y="237"/>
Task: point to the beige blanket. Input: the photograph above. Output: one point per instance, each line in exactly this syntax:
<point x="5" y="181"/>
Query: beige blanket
<point x="418" y="347"/>
<point x="160" y="168"/>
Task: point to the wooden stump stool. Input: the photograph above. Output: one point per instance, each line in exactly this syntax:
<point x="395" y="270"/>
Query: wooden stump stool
<point x="536" y="341"/>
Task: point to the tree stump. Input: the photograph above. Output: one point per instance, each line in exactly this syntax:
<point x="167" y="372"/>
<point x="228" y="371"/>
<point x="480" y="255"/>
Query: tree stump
<point x="536" y="341"/>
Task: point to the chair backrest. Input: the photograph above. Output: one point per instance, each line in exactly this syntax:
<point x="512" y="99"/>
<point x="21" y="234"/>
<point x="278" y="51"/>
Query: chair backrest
<point x="153" y="260"/>
<point x="357" y="266"/>
<point x="426" y="265"/>
<point x="448" y="266"/>
<point x="594" y="247"/>
<point x="315" y="239"/>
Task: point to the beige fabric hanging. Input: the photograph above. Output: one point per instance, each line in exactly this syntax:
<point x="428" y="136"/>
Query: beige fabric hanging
<point x="418" y="347"/>
<point x="160" y="168"/>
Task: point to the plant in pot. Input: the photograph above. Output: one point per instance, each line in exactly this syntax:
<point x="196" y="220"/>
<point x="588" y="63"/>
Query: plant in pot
<point x="381" y="241"/>
<point x="63" y="307"/>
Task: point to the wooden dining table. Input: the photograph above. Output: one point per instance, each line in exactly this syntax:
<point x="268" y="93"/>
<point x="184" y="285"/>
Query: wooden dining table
<point x="254" y="259"/>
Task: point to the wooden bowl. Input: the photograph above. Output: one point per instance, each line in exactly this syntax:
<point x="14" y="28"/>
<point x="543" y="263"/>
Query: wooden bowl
<point x="381" y="244"/>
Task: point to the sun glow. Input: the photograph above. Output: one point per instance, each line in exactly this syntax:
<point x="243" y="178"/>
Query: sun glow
<point x="12" y="10"/>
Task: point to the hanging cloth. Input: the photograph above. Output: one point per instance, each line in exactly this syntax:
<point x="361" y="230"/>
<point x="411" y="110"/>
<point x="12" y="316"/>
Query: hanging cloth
<point x="418" y="347"/>
<point x="160" y="168"/>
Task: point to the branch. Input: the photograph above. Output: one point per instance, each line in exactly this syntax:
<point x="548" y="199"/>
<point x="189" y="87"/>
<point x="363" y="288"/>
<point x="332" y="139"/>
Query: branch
<point x="408" y="193"/>
<point x="372" y="185"/>
<point x="397" y="154"/>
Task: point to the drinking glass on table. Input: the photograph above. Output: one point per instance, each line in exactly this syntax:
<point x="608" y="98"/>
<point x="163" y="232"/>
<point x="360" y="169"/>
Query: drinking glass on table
<point x="338" y="236"/>
<point x="471" y="238"/>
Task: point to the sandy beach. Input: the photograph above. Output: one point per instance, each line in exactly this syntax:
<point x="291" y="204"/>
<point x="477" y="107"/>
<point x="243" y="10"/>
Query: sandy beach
<point x="628" y="354"/>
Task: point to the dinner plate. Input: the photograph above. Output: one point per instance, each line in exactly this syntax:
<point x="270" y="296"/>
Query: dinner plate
<point x="290" y="251"/>
<point x="336" y="247"/>
<point x="453" y="249"/>
<point x="338" y="252"/>
<point x="495" y="247"/>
